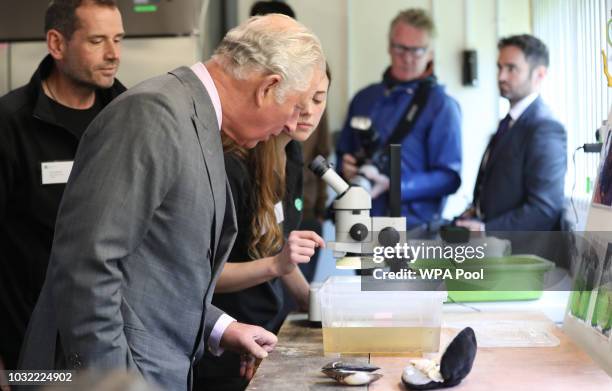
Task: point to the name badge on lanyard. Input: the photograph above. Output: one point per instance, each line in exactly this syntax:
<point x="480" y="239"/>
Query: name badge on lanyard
<point x="55" y="172"/>
<point x="278" y="211"/>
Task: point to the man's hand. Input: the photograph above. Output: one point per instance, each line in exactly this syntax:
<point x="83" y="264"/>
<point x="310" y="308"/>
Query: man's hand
<point x="469" y="213"/>
<point x="349" y="166"/>
<point x="472" y="225"/>
<point x="253" y="342"/>
<point x="379" y="180"/>
<point x="298" y="248"/>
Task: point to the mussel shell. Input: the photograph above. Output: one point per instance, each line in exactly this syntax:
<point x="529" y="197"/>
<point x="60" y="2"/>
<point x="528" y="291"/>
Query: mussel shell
<point x="347" y="366"/>
<point x="352" y="378"/>
<point x="455" y="365"/>
<point x="457" y="360"/>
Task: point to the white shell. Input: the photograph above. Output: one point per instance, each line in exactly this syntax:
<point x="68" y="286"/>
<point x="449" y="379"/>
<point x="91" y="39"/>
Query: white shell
<point x="422" y="371"/>
<point x="435" y="375"/>
<point x="412" y="375"/>
<point x="358" y="379"/>
<point x="423" y="364"/>
<point x="352" y="378"/>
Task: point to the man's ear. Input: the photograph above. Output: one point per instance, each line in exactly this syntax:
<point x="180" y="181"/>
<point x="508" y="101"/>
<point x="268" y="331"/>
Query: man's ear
<point x="56" y="44"/>
<point x="265" y="89"/>
<point x="539" y="73"/>
<point x="430" y="55"/>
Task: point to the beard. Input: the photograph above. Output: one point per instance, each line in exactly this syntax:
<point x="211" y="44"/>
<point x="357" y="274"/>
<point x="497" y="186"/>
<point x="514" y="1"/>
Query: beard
<point x="85" y="78"/>
<point x="517" y="93"/>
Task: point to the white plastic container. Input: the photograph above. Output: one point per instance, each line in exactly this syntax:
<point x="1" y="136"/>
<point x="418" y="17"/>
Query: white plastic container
<point x="356" y="321"/>
<point x="314" y="302"/>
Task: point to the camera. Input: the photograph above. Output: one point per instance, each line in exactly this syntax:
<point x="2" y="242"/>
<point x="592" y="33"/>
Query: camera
<point x="370" y="159"/>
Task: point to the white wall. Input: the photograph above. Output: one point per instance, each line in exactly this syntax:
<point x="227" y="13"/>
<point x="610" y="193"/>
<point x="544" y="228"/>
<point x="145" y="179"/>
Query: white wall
<point x="475" y="29"/>
<point x="23" y="60"/>
<point x="514" y="17"/>
<point x="328" y="20"/>
<point x="4" y="82"/>
<point x="145" y="58"/>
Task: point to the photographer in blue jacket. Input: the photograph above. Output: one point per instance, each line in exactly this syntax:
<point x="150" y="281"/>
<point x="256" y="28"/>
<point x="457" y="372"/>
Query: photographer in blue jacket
<point x="409" y="108"/>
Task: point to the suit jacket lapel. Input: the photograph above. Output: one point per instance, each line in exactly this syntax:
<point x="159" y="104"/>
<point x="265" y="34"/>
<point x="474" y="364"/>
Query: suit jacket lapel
<point x="212" y="151"/>
<point x="482" y="170"/>
<point x="504" y="142"/>
<point x="207" y="129"/>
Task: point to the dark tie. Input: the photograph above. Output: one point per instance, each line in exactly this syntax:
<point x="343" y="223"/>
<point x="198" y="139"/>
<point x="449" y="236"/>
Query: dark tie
<point x="502" y="129"/>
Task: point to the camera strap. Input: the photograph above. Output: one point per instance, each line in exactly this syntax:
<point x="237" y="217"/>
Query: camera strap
<point x="412" y="113"/>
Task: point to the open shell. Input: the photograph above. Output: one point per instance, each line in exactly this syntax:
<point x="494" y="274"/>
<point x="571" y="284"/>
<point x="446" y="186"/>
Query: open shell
<point x="455" y="365"/>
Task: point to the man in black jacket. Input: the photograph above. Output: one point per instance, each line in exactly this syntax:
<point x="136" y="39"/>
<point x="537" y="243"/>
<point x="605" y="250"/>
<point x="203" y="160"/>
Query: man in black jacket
<point x="40" y="127"/>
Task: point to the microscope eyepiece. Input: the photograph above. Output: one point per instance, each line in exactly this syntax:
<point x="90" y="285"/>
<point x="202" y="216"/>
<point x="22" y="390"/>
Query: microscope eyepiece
<point x="319" y="166"/>
<point x="324" y="170"/>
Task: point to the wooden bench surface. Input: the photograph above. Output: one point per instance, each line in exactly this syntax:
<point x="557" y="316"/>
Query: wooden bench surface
<point x="296" y="362"/>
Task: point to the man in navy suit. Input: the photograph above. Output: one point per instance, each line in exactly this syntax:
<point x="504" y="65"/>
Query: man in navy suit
<point x="521" y="178"/>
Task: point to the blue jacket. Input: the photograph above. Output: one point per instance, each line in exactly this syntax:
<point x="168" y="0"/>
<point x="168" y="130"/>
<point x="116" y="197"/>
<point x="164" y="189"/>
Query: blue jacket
<point x="431" y="152"/>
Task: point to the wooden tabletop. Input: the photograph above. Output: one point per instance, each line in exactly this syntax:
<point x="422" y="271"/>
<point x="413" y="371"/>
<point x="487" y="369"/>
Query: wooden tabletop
<point x="296" y="362"/>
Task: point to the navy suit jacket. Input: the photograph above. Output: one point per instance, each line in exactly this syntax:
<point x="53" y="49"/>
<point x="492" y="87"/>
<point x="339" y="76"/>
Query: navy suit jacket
<point x="523" y="181"/>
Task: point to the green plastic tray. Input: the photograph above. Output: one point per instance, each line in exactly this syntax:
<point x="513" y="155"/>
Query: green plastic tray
<point x="517" y="277"/>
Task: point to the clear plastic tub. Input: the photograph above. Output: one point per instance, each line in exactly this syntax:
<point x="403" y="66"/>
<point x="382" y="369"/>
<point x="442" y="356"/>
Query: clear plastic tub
<point x="396" y="322"/>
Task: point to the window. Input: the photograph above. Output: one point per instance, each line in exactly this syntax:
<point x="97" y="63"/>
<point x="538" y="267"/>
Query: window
<point x="576" y="88"/>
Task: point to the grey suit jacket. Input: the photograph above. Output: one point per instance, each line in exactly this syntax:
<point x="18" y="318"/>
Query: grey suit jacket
<point x="143" y="230"/>
<point x="523" y="181"/>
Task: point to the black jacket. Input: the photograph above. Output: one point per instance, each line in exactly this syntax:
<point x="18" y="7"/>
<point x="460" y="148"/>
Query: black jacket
<point x="30" y="134"/>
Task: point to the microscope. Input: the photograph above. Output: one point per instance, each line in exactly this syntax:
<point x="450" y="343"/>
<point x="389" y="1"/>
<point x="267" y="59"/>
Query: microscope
<point x="357" y="233"/>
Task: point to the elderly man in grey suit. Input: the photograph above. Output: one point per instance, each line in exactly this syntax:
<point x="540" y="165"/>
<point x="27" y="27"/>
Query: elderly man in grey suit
<point x="146" y="220"/>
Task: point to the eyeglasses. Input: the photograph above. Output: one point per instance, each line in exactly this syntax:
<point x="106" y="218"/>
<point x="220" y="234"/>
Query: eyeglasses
<point x="413" y="51"/>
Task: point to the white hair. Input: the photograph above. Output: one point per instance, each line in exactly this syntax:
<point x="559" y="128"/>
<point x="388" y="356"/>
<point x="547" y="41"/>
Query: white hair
<point x="259" y="46"/>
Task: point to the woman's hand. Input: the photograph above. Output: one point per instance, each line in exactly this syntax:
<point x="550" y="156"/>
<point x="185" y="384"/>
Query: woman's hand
<point x="298" y="248"/>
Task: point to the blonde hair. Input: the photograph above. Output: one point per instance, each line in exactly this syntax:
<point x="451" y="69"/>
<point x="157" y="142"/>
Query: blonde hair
<point x="259" y="46"/>
<point x="415" y="17"/>
<point x="268" y="173"/>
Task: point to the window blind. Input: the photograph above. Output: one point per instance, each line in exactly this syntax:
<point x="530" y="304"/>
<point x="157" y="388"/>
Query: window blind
<point x="575" y="32"/>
